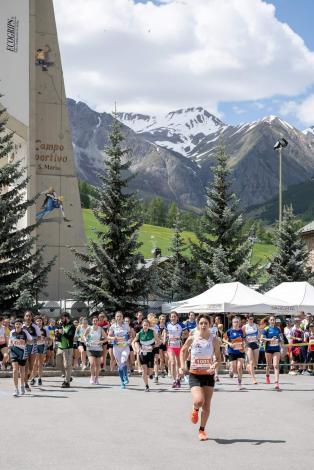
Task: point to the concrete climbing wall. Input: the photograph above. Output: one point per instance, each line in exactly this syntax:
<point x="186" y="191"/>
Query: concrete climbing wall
<point x="40" y="120"/>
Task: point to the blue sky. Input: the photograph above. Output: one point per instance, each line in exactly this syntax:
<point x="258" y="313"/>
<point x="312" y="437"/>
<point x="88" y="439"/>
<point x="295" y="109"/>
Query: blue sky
<point x="236" y="58"/>
<point x="299" y="15"/>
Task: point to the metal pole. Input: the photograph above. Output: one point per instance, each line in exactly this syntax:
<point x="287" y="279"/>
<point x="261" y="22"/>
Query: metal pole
<point x="280" y="186"/>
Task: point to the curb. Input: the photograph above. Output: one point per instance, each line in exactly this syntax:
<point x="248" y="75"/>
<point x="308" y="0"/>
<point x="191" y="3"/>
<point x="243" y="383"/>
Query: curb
<point x="86" y="373"/>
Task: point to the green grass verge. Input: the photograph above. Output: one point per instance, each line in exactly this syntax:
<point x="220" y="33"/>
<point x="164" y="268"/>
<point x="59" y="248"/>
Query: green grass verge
<point x="152" y="237"/>
<point x="262" y="252"/>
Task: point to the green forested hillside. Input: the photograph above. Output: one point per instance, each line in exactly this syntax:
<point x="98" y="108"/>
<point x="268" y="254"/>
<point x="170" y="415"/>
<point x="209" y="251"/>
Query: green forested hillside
<point x="153" y="236"/>
<point x="300" y="196"/>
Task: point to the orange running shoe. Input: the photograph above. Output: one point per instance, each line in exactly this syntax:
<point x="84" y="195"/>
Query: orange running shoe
<point x="267" y="380"/>
<point x="202" y="436"/>
<point x="194" y="416"/>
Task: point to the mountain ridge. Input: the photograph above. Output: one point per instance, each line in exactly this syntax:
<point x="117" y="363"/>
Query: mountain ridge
<point x="161" y="170"/>
<point x="171" y="131"/>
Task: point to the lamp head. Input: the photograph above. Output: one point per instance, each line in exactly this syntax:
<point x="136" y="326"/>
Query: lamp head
<point x="281" y="143"/>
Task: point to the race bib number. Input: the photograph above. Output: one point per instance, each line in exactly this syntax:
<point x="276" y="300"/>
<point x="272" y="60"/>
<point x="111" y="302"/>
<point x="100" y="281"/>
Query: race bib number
<point x="252" y="339"/>
<point x="274" y="342"/>
<point x="174" y="342"/>
<point x="238" y="346"/>
<point x="19" y="343"/>
<point x="146" y="348"/>
<point x="41" y="341"/>
<point x="121" y="342"/>
<point x="201" y="363"/>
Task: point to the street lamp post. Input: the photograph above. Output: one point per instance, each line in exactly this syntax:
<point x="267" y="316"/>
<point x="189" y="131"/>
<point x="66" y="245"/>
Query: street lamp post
<point x="280" y="185"/>
<point x="279" y="145"/>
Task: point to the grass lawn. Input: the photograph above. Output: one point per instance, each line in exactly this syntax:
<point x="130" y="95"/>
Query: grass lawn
<point x="152" y="237"/>
<point x="262" y="252"/>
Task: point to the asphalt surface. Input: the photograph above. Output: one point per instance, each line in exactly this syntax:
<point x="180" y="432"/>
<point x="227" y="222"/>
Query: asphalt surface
<point x="103" y="427"/>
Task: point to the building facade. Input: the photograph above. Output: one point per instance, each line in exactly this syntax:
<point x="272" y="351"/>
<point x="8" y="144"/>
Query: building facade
<point x="307" y="235"/>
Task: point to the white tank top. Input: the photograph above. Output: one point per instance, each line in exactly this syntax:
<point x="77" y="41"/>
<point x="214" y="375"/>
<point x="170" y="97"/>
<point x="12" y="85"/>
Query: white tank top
<point x="202" y="351"/>
<point x="174" y="332"/>
<point x="121" y="332"/>
<point x="251" y="333"/>
<point x="93" y="338"/>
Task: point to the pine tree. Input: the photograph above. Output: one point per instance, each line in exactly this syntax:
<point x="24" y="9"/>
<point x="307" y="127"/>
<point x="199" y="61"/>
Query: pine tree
<point x="111" y="273"/>
<point x="39" y="279"/>
<point x="289" y="263"/>
<point x="223" y="252"/>
<point x="19" y="268"/>
<point x="156" y="280"/>
<point x="156" y="211"/>
<point x="175" y="282"/>
<point x="220" y="266"/>
<point x="171" y="214"/>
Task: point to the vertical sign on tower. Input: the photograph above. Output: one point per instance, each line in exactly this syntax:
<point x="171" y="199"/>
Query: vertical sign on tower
<point x="14" y="76"/>
<point x="14" y="58"/>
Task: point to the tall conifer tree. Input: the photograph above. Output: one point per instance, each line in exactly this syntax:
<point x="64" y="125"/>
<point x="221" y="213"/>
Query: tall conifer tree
<point x="111" y="272"/>
<point x="178" y="266"/>
<point x="22" y="270"/>
<point x="223" y="252"/>
<point x="289" y="263"/>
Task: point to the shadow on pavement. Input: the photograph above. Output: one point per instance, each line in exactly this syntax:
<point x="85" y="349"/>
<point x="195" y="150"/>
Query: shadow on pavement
<point x="273" y="390"/>
<point x="297" y="390"/>
<point x="33" y="395"/>
<point x="91" y="387"/>
<point x="56" y="390"/>
<point x="256" y="442"/>
<point x="158" y="390"/>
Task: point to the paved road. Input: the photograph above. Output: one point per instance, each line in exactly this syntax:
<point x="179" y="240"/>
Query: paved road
<point x="107" y="428"/>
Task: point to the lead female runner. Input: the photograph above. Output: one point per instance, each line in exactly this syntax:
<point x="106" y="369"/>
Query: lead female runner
<point x="205" y="359"/>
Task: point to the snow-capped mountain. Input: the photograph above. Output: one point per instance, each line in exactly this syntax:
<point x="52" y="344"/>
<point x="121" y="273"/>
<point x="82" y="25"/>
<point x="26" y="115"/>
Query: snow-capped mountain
<point x="253" y="160"/>
<point x="173" y="155"/>
<point x="157" y="171"/>
<point x="180" y="131"/>
<point x="208" y="145"/>
<point x="309" y="131"/>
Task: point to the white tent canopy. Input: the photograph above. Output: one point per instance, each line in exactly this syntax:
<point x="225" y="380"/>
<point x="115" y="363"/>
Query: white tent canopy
<point x="230" y="297"/>
<point x="299" y="295"/>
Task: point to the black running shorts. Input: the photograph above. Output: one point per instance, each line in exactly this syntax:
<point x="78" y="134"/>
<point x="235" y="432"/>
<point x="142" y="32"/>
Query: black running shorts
<point x="147" y="360"/>
<point x="196" y="380"/>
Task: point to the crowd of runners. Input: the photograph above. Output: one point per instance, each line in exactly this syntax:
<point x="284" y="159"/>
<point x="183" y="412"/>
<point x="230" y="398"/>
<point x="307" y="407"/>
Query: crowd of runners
<point x="190" y="351"/>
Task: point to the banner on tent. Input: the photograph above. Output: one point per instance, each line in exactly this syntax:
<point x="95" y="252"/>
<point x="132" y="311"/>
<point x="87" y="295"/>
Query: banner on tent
<point x="215" y="307"/>
<point x="283" y="308"/>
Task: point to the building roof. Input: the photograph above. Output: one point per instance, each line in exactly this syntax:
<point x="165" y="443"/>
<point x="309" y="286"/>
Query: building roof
<point x="307" y="228"/>
<point x="150" y="261"/>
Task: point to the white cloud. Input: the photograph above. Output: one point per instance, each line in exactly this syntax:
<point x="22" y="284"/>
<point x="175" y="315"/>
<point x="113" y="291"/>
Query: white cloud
<point x="288" y="107"/>
<point x="236" y="109"/>
<point x="181" y="53"/>
<point x="259" y="105"/>
<point x="303" y="110"/>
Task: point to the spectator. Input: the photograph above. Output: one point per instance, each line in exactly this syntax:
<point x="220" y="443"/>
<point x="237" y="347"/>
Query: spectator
<point x="65" y="337"/>
<point x="297" y="336"/>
